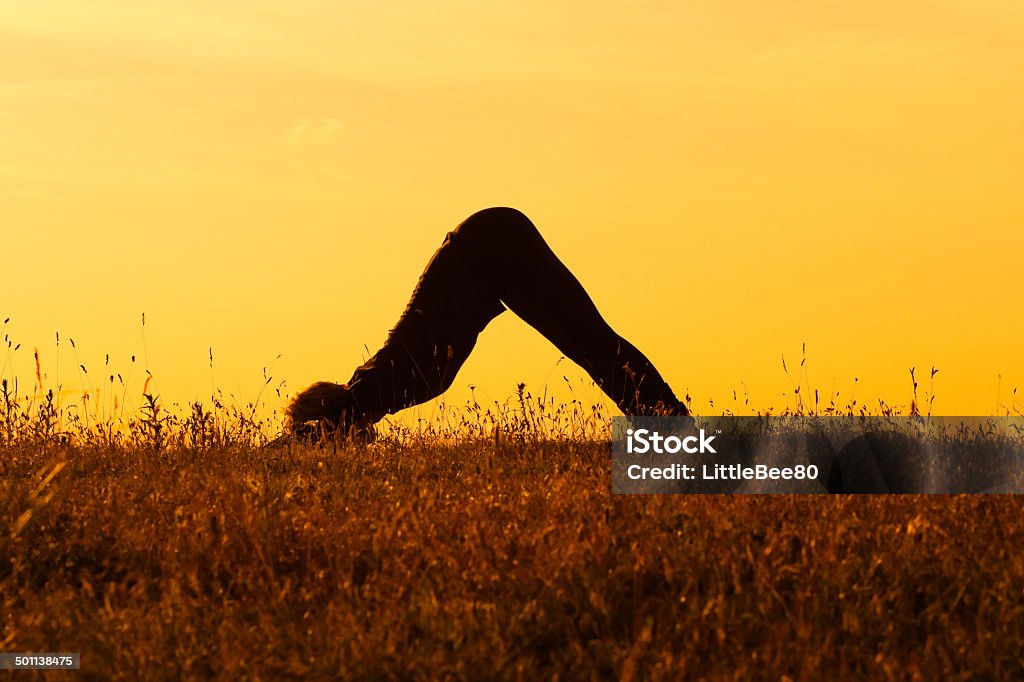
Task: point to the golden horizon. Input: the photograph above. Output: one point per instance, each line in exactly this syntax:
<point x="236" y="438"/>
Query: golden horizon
<point x="728" y="183"/>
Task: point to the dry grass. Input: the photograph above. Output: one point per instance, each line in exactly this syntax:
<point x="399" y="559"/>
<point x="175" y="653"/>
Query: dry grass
<point x="425" y="560"/>
<point x="481" y="544"/>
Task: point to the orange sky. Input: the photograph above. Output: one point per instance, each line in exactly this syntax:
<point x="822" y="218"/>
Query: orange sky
<point x="728" y="179"/>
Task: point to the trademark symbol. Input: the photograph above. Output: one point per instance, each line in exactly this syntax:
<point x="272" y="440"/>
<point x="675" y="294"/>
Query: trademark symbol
<point x="718" y="430"/>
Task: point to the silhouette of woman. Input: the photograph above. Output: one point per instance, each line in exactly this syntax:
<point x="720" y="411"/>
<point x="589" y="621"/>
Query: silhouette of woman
<point x="495" y="259"/>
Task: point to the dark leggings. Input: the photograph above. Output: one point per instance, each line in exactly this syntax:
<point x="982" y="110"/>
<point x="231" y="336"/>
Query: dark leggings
<point x="496" y="259"/>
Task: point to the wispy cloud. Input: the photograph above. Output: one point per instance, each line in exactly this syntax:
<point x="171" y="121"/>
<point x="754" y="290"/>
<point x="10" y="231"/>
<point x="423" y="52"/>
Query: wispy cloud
<point x="313" y="145"/>
<point x="305" y="132"/>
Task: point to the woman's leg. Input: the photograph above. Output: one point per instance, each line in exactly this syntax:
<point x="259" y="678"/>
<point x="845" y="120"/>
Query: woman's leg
<point x="535" y="285"/>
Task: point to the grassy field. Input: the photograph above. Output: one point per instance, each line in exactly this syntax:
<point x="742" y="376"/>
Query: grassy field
<point x="490" y="558"/>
